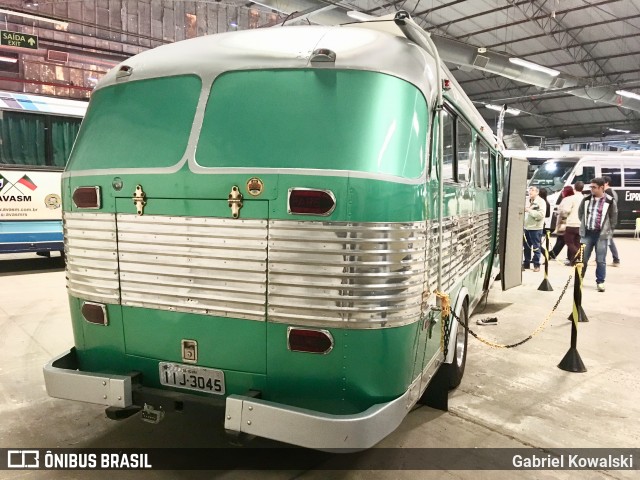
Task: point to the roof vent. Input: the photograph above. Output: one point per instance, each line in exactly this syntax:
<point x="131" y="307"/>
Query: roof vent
<point x="56" y="56"/>
<point x="323" y="55"/>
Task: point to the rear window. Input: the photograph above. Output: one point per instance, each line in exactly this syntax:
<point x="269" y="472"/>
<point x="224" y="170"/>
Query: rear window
<point x="145" y="123"/>
<point x="324" y="119"/>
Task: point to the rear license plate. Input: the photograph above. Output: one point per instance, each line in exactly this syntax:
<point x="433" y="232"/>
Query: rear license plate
<point x="191" y="377"/>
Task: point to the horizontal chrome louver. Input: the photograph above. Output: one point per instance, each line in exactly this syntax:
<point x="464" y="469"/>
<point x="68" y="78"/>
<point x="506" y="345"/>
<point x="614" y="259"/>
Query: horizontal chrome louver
<point x="91" y="251"/>
<point x="352" y="275"/>
<point x="358" y="275"/>
<point x="466" y="239"/>
<point x="211" y="266"/>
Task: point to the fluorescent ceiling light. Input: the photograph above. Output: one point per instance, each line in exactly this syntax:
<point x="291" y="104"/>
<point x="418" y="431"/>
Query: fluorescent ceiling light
<point x="498" y="108"/>
<point x="8" y="59"/>
<point x="535" y="66"/>
<point x="618" y="130"/>
<point x="34" y="17"/>
<point x="624" y="93"/>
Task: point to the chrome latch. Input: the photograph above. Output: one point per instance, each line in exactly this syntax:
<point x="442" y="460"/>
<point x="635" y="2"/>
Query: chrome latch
<point x="139" y="199"/>
<point x="189" y="351"/>
<point x="235" y="201"/>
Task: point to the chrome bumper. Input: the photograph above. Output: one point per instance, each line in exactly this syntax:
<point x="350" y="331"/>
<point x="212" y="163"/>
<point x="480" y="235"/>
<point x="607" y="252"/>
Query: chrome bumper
<point x="312" y="429"/>
<point x="306" y="428"/>
<point x="63" y="380"/>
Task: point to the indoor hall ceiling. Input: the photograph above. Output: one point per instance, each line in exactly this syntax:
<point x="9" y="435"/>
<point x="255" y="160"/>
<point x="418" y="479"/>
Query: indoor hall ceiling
<point x="595" y="42"/>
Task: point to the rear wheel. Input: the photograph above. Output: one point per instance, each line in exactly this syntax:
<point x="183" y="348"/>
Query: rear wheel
<point x="456" y="368"/>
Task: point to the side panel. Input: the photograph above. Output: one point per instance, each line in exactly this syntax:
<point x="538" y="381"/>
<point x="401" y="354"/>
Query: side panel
<point x="512" y="224"/>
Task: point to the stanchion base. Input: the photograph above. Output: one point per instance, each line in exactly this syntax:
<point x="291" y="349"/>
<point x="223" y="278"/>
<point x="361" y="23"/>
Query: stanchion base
<point x="545" y="286"/>
<point x="582" y="317"/>
<point x="572" y="362"/>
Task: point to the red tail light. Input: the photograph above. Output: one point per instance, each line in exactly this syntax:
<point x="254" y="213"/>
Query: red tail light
<point x="87" y="197"/>
<point x="309" y="201"/>
<point x="95" y="313"/>
<point x="310" y="341"/>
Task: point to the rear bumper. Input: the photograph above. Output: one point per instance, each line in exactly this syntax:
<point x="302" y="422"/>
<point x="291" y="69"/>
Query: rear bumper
<point x="243" y="414"/>
<point x="63" y="380"/>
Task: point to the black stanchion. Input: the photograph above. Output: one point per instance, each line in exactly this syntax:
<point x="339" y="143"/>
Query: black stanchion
<point x="578" y="311"/>
<point x="545" y="286"/>
<point x="572" y="361"/>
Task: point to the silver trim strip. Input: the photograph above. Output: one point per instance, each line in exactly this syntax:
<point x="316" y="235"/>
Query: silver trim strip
<point x="63" y="380"/>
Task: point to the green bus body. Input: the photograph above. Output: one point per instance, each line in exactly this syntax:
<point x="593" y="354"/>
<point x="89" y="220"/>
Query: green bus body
<point x="367" y="136"/>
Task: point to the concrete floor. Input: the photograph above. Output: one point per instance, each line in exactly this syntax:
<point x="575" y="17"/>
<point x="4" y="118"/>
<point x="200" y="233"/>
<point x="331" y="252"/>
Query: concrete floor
<point x="509" y="398"/>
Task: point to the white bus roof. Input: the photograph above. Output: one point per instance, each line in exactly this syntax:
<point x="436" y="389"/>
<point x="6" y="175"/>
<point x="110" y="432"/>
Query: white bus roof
<point x="41" y="104"/>
<point x="292" y="47"/>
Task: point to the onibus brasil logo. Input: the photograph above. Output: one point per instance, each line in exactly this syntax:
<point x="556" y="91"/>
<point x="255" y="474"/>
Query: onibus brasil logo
<point x="15" y="191"/>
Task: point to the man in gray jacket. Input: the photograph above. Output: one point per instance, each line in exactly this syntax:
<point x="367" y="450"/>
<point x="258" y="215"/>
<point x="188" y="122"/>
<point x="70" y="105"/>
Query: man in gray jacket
<point x="535" y="211"/>
<point x="598" y="216"/>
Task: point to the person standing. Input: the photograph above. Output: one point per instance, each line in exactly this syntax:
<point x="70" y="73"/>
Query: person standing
<point x="535" y="211"/>
<point x="598" y="214"/>
<point x="561" y="222"/>
<point x="609" y="191"/>
<point x="572" y="229"/>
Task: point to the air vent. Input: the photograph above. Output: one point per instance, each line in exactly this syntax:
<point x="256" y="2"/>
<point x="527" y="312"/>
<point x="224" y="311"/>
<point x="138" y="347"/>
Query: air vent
<point x="480" y="61"/>
<point x="57" y="56"/>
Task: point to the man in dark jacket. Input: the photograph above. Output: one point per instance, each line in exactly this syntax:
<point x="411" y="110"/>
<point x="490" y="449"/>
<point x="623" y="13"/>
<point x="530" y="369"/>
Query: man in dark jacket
<point x="598" y="215"/>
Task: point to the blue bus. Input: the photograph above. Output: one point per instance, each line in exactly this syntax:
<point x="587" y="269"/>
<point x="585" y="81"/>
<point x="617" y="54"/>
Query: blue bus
<point x="36" y="137"/>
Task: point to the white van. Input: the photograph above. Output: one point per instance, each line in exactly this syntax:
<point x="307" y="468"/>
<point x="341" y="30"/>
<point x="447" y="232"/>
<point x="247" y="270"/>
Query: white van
<point x="623" y="168"/>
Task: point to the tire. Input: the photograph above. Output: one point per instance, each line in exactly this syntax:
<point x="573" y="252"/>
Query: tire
<point x="456" y="368"/>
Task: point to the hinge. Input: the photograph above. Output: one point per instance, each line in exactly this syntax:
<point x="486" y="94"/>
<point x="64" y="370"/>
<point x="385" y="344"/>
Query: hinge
<point x="139" y="199"/>
<point x="235" y="201"/>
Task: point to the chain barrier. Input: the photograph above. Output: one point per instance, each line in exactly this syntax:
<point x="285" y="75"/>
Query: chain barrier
<point x="445" y="309"/>
<point x="540" y="328"/>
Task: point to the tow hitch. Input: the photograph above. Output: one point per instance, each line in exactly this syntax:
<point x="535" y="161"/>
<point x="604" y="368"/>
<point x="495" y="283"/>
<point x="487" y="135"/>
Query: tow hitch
<point x="152" y="415"/>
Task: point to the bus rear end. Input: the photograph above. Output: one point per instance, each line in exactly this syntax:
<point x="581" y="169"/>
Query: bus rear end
<point x="257" y="243"/>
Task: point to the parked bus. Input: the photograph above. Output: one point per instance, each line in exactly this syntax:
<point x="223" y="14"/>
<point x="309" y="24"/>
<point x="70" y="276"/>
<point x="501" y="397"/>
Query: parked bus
<point x="36" y="136"/>
<point x="283" y="239"/>
<point x="623" y="168"/>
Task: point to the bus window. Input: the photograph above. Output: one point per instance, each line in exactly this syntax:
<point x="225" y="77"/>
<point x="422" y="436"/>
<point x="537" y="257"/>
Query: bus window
<point x="483" y="178"/>
<point x="38" y="140"/>
<point x="615" y="173"/>
<point x="463" y="151"/>
<point x="631" y="177"/>
<point x="499" y="163"/>
<point x="447" y="148"/>
<point x="584" y="174"/>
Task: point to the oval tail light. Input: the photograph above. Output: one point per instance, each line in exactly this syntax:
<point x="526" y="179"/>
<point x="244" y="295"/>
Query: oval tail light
<point x="309" y="341"/>
<point x="311" y="201"/>
<point x="95" y="313"/>
<point x="87" y="197"/>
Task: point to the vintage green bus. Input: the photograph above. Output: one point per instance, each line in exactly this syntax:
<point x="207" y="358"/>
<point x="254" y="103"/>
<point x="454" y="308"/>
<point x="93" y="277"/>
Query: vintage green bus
<point x="260" y="221"/>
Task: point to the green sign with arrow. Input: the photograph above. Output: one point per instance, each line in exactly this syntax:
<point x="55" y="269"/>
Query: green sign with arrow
<point x="17" y="39"/>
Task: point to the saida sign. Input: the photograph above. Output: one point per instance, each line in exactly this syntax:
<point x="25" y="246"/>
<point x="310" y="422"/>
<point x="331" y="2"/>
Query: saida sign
<point x="17" y="39"/>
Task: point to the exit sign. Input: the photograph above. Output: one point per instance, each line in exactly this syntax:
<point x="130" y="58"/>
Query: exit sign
<point x="20" y="40"/>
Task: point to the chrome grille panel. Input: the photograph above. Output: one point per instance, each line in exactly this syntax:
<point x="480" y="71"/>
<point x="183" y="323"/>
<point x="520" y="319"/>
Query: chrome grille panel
<point x="351" y="275"/>
<point x="358" y="275"/>
<point x="465" y="240"/>
<point x="92" y="262"/>
<point x="211" y="266"/>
